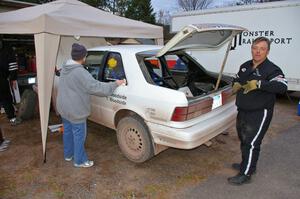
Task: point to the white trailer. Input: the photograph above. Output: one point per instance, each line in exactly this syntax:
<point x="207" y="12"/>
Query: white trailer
<point x="278" y="21"/>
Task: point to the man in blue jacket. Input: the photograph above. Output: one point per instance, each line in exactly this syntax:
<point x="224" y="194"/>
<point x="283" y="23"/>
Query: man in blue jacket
<point x="73" y="103"/>
<point x="257" y="83"/>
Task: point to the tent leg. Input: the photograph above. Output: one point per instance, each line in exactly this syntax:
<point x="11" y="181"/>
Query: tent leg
<point x="45" y="157"/>
<point x="159" y="41"/>
<point x="46" y="48"/>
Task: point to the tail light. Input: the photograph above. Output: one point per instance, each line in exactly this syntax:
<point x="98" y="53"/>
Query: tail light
<point x="204" y="106"/>
<point x="193" y="110"/>
<point x="227" y="96"/>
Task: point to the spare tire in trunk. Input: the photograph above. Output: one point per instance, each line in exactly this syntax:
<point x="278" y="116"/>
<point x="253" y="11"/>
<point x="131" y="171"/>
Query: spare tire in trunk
<point x="27" y="105"/>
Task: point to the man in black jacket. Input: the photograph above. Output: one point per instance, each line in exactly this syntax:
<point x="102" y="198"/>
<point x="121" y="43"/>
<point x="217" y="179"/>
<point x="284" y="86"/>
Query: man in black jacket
<point x="256" y="84"/>
<point x="8" y="77"/>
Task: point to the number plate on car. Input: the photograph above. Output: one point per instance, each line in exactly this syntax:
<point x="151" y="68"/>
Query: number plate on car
<point x="217" y="101"/>
<point x="31" y="80"/>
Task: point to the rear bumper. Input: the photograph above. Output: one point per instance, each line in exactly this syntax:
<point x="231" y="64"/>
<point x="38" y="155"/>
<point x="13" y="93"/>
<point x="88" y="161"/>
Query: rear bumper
<point x="195" y="135"/>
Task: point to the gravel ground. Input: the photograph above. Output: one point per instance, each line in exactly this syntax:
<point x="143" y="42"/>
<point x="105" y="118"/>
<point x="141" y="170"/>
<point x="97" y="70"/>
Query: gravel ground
<point x="171" y="173"/>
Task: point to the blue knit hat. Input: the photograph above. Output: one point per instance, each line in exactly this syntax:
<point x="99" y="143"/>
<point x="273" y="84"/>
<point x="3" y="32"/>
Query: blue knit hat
<point x="78" y="52"/>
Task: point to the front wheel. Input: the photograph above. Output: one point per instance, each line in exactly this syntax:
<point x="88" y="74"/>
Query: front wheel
<point x="134" y="139"/>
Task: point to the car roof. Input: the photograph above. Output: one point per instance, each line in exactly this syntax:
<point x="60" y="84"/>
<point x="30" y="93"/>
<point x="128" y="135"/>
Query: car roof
<point x="127" y="48"/>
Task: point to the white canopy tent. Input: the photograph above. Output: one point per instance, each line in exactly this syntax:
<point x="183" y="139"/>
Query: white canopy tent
<point x="53" y="24"/>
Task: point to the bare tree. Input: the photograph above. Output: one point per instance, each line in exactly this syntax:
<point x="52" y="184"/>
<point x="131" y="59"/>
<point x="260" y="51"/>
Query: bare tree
<point x="246" y="2"/>
<point x="188" y="5"/>
<point x="163" y="17"/>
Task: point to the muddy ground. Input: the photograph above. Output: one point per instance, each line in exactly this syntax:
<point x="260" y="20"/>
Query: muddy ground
<point x="24" y="175"/>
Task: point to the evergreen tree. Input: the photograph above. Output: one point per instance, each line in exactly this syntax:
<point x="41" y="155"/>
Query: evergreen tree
<point x="36" y="1"/>
<point x="140" y="10"/>
<point x="102" y="4"/>
<point x="117" y="7"/>
<point x="95" y="3"/>
<point x="134" y="9"/>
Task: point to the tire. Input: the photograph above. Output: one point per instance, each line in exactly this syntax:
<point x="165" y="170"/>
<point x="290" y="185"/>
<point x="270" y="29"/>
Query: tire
<point x="27" y="105"/>
<point x="134" y="139"/>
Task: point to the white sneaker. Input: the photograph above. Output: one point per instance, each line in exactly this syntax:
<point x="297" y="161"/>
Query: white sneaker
<point x="69" y="159"/>
<point x="86" y="164"/>
<point x="15" y="121"/>
<point x="3" y="147"/>
<point x="6" y="142"/>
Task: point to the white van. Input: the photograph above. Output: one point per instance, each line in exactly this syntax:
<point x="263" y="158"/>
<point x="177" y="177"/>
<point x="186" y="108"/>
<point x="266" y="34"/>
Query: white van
<point x="278" y="21"/>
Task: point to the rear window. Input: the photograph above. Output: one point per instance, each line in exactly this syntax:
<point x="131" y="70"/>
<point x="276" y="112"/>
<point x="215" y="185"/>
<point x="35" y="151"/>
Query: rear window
<point x="153" y="66"/>
<point x="175" y="63"/>
<point x="168" y="71"/>
<point x="94" y="58"/>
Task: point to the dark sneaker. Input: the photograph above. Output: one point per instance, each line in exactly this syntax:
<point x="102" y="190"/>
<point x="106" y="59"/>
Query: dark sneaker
<point x="15" y="121"/>
<point x="86" y="164"/>
<point x="237" y="167"/>
<point x="239" y="179"/>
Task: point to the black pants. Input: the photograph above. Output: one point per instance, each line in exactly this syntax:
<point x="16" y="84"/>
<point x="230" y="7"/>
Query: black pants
<point x="1" y="136"/>
<point x="9" y="108"/>
<point x="252" y="127"/>
<point x="6" y="99"/>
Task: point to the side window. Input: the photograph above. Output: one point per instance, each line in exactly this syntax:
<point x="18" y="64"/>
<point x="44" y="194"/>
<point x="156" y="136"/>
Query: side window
<point x="154" y="69"/>
<point x="175" y="63"/>
<point x="93" y="62"/>
<point x="153" y="65"/>
<point x="113" y="68"/>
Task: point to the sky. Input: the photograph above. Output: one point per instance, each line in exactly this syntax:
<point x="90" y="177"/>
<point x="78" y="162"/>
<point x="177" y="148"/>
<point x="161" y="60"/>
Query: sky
<point x="172" y="6"/>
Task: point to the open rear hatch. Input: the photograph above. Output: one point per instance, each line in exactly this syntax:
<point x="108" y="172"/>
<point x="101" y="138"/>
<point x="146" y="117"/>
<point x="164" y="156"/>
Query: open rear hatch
<point x="205" y="91"/>
<point x="202" y="37"/>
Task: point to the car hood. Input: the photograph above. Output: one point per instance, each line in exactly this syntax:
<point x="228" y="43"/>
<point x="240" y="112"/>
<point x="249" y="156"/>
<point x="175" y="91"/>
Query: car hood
<point x="202" y="37"/>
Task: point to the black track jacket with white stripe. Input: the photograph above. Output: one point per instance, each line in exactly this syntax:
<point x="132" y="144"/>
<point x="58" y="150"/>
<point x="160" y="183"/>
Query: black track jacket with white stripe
<point x="271" y="81"/>
<point x="8" y="71"/>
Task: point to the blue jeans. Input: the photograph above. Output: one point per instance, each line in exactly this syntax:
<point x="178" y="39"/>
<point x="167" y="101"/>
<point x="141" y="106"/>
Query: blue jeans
<point x="74" y="138"/>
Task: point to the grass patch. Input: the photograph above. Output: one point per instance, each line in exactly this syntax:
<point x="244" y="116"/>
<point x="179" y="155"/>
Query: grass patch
<point x="155" y="190"/>
<point x="58" y="191"/>
<point x="130" y="194"/>
<point x="28" y="177"/>
<point x="9" y="188"/>
<point x="189" y="179"/>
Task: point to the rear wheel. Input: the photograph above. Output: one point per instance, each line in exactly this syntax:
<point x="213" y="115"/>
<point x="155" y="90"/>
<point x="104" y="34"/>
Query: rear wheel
<point x="134" y="139"/>
<point x="27" y="105"/>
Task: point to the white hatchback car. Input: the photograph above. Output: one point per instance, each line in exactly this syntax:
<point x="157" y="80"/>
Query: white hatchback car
<point x="170" y="100"/>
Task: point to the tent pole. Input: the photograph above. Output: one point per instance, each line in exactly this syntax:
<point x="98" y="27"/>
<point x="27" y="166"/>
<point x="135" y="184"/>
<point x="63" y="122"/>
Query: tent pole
<point x="159" y="41"/>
